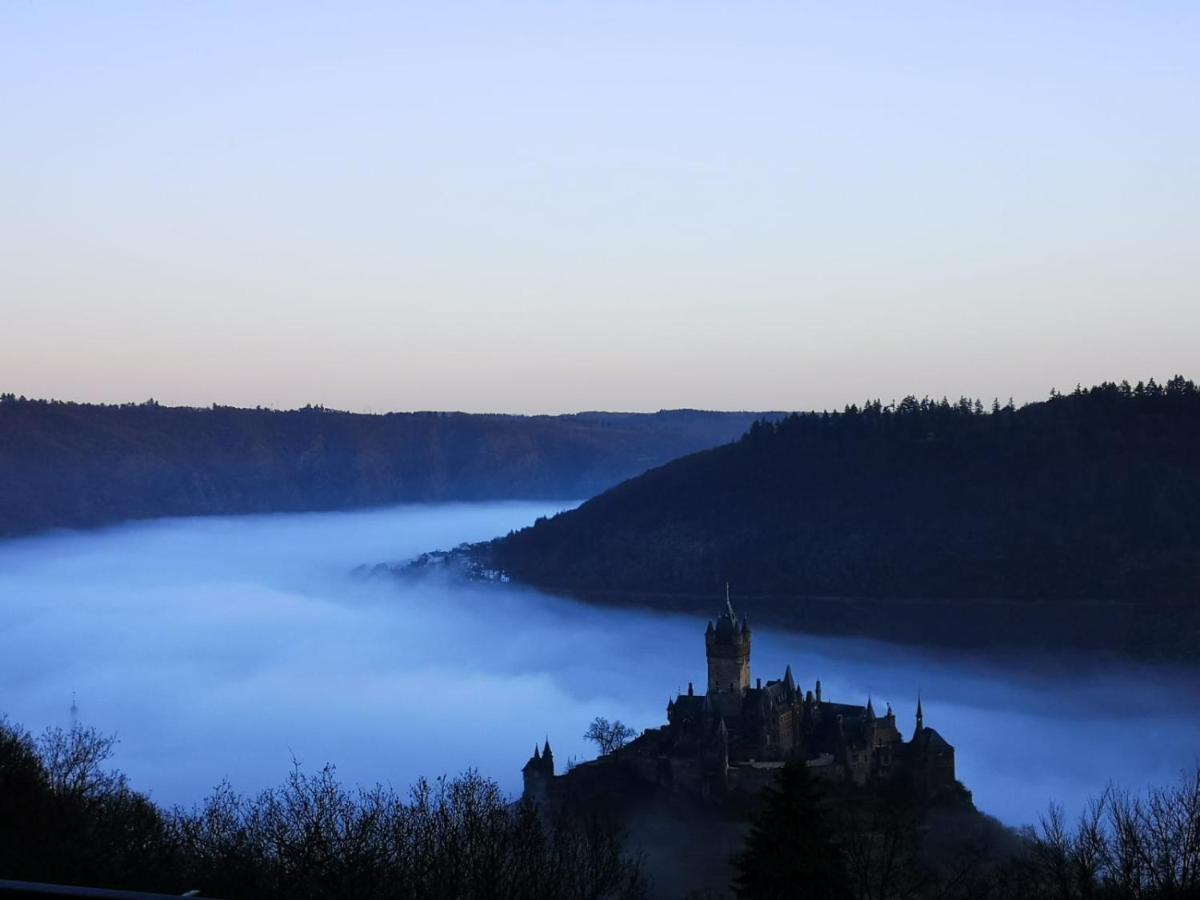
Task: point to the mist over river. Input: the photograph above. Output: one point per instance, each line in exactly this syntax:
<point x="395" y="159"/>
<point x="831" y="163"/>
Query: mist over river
<point x="224" y="647"/>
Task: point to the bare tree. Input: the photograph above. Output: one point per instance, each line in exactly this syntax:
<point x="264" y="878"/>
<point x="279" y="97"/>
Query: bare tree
<point x="609" y="736"/>
<point x="1124" y="846"/>
<point x="74" y="761"/>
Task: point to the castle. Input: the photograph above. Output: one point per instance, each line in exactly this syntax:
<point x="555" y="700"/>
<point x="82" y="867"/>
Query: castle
<point x="734" y="737"/>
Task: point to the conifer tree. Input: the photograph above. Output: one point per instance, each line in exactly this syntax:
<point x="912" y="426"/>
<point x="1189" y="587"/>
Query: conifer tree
<point x="791" y="851"/>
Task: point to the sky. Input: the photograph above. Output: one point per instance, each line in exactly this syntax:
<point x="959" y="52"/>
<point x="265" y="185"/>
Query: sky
<point x="222" y="648"/>
<point x="546" y="207"/>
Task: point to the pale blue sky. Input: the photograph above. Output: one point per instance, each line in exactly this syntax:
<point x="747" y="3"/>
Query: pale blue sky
<point x="555" y="206"/>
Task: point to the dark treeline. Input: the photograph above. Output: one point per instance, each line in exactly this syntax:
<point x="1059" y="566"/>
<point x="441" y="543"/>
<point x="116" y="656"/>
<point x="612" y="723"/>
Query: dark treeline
<point x="72" y="465"/>
<point x="1124" y="846"/>
<point x="66" y="818"/>
<point x="1093" y="495"/>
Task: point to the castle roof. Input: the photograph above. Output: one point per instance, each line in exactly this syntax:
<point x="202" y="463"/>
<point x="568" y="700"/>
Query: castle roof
<point x="728" y="624"/>
<point x="847" y="710"/>
<point x="688" y="705"/>
<point x="535" y="761"/>
<point x="776" y="690"/>
<point x="927" y="740"/>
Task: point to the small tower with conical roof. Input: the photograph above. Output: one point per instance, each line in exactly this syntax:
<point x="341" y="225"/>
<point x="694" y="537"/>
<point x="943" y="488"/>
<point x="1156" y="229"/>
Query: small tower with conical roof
<point x="727" y="646"/>
<point x="920" y="717"/>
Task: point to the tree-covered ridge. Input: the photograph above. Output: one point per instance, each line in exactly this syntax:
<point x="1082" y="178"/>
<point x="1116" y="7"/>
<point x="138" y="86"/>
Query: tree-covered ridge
<point x="72" y="464"/>
<point x="1089" y="495"/>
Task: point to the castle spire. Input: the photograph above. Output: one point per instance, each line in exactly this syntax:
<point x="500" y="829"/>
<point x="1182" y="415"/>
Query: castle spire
<point x="870" y="709"/>
<point x="920" y="714"/>
<point x="546" y="753"/>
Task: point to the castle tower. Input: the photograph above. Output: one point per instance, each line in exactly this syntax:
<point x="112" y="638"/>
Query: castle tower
<point x="538" y="773"/>
<point x="727" y="646"/>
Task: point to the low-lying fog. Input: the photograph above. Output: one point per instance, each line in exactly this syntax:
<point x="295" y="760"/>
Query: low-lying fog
<point x="222" y="647"/>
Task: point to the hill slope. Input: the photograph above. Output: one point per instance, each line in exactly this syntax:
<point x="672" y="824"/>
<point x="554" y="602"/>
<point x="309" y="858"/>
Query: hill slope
<point x="1092" y="497"/>
<point x="70" y="465"/>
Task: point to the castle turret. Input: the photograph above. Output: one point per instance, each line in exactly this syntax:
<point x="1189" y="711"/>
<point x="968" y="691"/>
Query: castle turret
<point x="727" y="646"/>
<point x="538" y="773"/>
<point x="920" y="717"/>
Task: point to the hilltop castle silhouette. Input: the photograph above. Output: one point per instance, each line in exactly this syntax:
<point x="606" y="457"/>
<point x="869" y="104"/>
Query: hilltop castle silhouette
<point x="734" y="737"/>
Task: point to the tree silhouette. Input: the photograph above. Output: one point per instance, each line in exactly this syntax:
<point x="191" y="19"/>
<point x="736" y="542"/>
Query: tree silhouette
<point x="791" y="851"/>
<point x="608" y="736"/>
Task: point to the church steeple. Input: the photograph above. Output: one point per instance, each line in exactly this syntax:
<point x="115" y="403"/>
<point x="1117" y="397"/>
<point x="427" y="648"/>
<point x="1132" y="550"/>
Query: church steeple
<point x="920" y="715"/>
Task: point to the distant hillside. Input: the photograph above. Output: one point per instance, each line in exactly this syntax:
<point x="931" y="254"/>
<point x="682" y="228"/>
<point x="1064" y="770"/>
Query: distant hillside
<point x="879" y="520"/>
<point x="70" y="464"/>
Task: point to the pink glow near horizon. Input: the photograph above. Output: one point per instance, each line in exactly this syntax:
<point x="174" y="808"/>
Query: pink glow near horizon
<point x="526" y="208"/>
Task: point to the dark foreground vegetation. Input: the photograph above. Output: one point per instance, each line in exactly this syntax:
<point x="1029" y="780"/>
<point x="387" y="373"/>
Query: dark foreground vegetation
<point x="1075" y="518"/>
<point x="66" y="817"/>
<point x="1124" y="847"/>
<point x="69" y="465"/>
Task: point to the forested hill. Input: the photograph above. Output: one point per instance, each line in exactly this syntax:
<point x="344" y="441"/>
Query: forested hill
<point x="70" y="465"/>
<point x="1090" y="496"/>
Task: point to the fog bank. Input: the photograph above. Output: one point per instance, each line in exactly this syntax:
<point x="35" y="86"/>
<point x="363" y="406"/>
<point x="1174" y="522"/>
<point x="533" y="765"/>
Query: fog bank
<point x="224" y="647"/>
